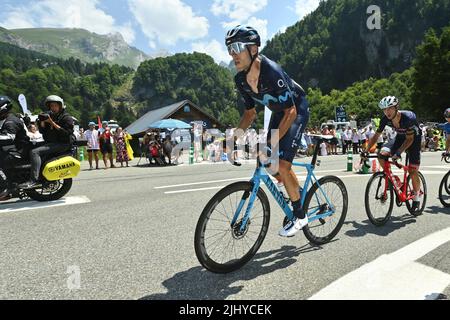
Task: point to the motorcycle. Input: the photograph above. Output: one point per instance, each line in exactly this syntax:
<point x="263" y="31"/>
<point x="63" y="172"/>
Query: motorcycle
<point x="55" y="179"/>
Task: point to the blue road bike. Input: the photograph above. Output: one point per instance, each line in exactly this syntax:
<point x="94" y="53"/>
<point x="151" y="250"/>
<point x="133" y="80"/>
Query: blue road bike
<point x="234" y="223"/>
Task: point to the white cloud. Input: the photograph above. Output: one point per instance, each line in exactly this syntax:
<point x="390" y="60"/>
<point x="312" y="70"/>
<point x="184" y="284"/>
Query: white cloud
<point x="237" y="9"/>
<point x="167" y="21"/>
<point x="260" y="26"/>
<point x="65" y="14"/>
<point x="215" y="49"/>
<point x="304" y="7"/>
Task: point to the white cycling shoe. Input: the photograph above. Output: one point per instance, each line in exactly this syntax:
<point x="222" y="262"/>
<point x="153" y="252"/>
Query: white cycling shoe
<point x="292" y="227"/>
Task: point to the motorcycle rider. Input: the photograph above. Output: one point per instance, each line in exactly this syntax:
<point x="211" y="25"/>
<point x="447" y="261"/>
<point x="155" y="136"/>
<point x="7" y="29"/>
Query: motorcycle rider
<point x="13" y="138"/>
<point x="57" y="128"/>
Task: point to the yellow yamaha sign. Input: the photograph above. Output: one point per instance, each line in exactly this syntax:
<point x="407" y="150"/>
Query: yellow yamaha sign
<point x="63" y="168"/>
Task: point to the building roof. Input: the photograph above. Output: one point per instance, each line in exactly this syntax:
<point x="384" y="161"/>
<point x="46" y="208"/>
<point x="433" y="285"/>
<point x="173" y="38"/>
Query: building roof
<point x="141" y="124"/>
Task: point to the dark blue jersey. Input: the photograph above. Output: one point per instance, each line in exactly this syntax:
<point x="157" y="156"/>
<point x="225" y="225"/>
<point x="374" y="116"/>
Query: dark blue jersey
<point x="445" y="127"/>
<point x="276" y="89"/>
<point x="408" y="124"/>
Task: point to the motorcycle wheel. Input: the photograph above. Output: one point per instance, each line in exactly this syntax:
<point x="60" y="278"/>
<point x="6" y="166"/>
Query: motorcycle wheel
<point x="51" y="190"/>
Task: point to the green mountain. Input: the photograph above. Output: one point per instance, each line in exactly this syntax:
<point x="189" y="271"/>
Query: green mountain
<point x="163" y="81"/>
<point x="333" y="47"/>
<point x="78" y="43"/>
<point x="89" y="90"/>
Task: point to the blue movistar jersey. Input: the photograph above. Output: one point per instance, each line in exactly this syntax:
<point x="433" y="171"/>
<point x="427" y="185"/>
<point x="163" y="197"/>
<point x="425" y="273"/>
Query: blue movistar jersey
<point x="276" y="89"/>
<point x="445" y="127"/>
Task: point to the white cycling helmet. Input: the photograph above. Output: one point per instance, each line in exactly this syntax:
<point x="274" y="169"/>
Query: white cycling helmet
<point x="387" y="102"/>
<point x="54" y="98"/>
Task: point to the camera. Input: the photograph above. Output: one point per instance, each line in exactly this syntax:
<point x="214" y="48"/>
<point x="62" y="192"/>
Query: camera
<point x="43" y="116"/>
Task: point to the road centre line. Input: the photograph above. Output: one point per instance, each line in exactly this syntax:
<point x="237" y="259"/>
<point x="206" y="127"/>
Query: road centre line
<point x="437" y="167"/>
<point x="394" y="276"/>
<point x="193" y="190"/>
<point x="232" y="179"/>
<point x="301" y="178"/>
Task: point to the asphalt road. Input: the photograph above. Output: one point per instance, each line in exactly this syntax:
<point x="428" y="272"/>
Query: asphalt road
<point x="131" y="237"/>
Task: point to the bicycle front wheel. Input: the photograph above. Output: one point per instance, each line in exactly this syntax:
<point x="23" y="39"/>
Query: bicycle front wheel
<point x="221" y="246"/>
<point x="444" y="190"/>
<point x="423" y="192"/>
<point x="327" y="204"/>
<point x="378" y="203"/>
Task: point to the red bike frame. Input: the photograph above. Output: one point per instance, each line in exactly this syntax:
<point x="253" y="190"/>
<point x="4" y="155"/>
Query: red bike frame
<point x="401" y="192"/>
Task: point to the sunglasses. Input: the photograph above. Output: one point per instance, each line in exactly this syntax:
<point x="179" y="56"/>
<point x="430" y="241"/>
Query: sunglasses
<point x="237" y="47"/>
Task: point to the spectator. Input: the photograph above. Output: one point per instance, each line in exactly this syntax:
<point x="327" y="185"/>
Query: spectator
<point x="211" y="152"/>
<point x="93" y="144"/>
<point x="423" y="143"/>
<point x="128" y="137"/>
<point x="309" y="143"/>
<point x="102" y="128"/>
<point x="121" y="148"/>
<point x="35" y="136"/>
<point x="334" y="142"/>
<point x="362" y="138"/>
<point x="355" y="141"/>
<point x="348" y="138"/>
<point x="323" y="149"/>
<point x="167" y="148"/>
<point x="106" y="141"/>
<point x="326" y="132"/>
<point x="344" y="139"/>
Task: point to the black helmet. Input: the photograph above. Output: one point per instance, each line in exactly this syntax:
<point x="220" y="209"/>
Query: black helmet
<point x="5" y="105"/>
<point x="245" y="34"/>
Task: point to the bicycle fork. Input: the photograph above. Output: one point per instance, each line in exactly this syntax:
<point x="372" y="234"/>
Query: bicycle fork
<point x="247" y="194"/>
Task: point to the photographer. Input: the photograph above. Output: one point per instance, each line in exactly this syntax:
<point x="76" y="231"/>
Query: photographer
<point x="13" y="137"/>
<point x="57" y="128"/>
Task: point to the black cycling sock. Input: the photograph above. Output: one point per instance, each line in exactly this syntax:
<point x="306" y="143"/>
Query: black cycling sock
<point x="297" y="208"/>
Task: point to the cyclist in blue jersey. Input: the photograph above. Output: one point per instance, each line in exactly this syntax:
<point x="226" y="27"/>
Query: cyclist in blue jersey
<point x="263" y="82"/>
<point x="408" y="138"/>
<point x="446" y="128"/>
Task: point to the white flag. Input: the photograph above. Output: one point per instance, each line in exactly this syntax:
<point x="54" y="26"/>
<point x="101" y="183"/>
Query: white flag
<point x="23" y="103"/>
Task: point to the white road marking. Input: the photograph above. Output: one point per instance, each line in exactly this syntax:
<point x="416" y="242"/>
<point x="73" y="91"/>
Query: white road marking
<point x="31" y="205"/>
<point x="193" y="190"/>
<point x="202" y="182"/>
<point x="394" y="276"/>
<point x="232" y="179"/>
<point x="437" y="167"/>
<point x="300" y="177"/>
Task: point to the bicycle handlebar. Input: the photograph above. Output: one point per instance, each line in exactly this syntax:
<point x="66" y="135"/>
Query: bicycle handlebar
<point x="373" y="156"/>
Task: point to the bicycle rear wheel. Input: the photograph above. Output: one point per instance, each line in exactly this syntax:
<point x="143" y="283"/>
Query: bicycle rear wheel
<point x="423" y="192"/>
<point x="378" y="205"/>
<point x="222" y="247"/>
<point x="444" y="190"/>
<point x="330" y="197"/>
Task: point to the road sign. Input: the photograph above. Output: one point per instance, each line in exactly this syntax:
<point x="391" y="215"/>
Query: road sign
<point x="341" y="115"/>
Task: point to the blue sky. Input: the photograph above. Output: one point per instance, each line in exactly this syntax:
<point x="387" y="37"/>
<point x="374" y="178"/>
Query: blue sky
<point x="156" y="26"/>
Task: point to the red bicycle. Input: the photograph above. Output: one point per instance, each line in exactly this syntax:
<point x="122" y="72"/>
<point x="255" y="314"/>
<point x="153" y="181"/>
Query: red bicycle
<point x="380" y="190"/>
